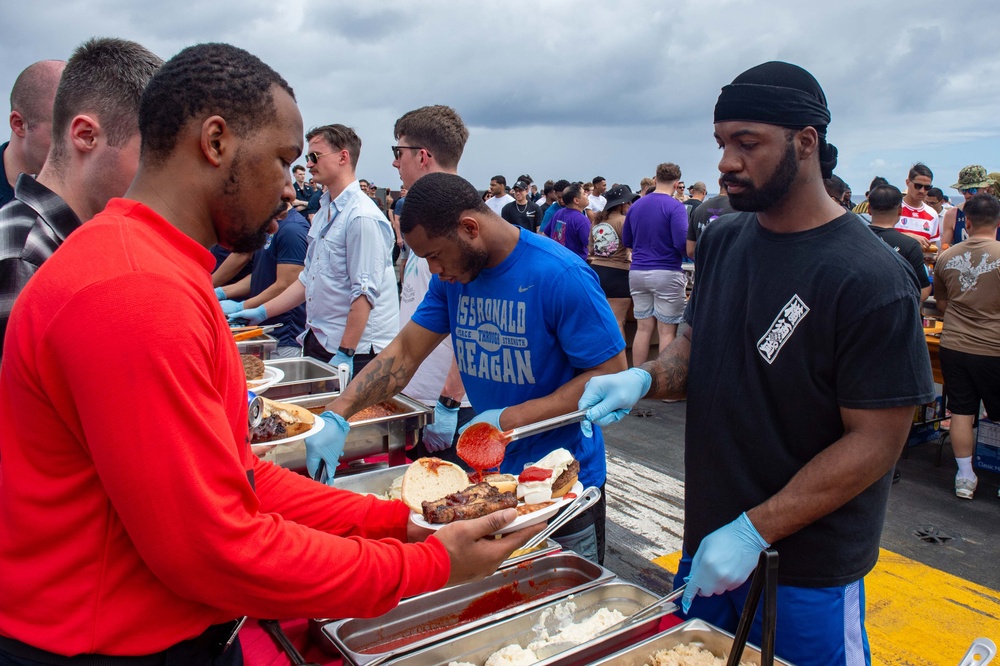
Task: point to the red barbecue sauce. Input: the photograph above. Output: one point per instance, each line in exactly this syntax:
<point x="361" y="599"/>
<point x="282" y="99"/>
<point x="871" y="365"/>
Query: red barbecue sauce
<point x="534" y="474"/>
<point x="481" y="446"/>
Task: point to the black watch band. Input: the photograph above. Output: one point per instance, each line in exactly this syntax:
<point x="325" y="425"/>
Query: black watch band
<point x="346" y="351"/>
<point x="449" y="403"/>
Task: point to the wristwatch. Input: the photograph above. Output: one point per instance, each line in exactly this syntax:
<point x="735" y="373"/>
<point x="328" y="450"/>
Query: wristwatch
<point x="346" y="351"/>
<point x="449" y="402"/>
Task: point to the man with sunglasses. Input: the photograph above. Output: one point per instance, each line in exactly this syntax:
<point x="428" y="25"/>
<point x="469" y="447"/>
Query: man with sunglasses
<point x="348" y="283"/>
<point x="917" y="219"/>
<point x="971" y="181"/>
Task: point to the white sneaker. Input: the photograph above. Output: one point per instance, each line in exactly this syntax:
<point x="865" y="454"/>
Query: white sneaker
<point x="964" y="488"/>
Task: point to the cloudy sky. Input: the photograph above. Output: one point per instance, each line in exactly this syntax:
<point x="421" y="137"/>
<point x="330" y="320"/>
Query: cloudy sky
<point x="560" y="89"/>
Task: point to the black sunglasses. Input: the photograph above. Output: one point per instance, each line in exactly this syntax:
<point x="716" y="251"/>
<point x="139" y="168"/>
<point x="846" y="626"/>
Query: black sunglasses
<point x="921" y="187"/>
<point x="398" y="150"/>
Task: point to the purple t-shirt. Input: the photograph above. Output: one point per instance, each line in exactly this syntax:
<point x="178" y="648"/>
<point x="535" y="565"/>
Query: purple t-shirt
<point x="656" y="230"/>
<point x="571" y="228"/>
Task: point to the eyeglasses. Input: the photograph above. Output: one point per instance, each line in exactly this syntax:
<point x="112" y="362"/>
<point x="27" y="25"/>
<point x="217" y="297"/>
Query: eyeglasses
<point x="918" y="186"/>
<point x="314" y="157"/>
<point x="398" y="150"/>
<point x="970" y="190"/>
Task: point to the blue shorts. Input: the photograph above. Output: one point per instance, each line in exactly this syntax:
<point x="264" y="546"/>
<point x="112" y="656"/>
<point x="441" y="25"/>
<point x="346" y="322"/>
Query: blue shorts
<point x="821" y="626"/>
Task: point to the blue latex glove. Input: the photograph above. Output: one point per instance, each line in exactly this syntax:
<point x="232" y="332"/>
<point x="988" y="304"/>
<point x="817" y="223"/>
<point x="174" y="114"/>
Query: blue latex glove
<point x="439" y="435"/>
<point x="326" y="446"/>
<point x="219" y="294"/>
<point x="342" y="358"/>
<point x="609" y="398"/>
<point x="252" y="317"/>
<point x="724" y="561"/>
<point x="230" y="307"/>
<point x="491" y="416"/>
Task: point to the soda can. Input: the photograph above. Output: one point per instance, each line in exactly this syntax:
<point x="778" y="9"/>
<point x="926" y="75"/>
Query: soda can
<point x="255" y="409"/>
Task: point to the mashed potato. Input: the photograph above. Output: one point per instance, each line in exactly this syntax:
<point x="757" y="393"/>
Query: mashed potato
<point x="687" y="655"/>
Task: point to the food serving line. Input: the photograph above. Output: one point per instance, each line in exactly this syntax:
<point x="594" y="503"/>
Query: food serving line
<point x="544" y="589"/>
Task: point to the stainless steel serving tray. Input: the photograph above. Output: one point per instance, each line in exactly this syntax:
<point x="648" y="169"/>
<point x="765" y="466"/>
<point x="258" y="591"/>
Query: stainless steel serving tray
<point x="262" y="346"/>
<point x="408" y="627"/>
<point x="390" y="435"/>
<point x="303" y="376"/>
<point x="476" y="646"/>
<point x="697" y="632"/>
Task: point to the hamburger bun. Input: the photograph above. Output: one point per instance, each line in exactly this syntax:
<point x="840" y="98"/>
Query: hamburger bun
<point x="430" y="479"/>
<point x="565" y="481"/>
<point x="505" y="483"/>
<point x="297" y="419"/>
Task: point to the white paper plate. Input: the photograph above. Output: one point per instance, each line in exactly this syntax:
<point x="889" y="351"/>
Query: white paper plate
<point x="526" y="520"/>
<point x="272" y="376"/>
<point x="264" y="447"/>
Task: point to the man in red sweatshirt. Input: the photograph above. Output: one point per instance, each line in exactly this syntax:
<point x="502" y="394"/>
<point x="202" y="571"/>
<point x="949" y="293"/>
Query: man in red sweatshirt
<point x="134" y="520"/>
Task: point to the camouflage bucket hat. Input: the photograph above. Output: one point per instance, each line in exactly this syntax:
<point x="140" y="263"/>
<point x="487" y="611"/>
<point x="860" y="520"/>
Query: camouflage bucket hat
<point x="971" y="176"/>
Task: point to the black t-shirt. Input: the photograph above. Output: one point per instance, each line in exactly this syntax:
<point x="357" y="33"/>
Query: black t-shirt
<point x="707" y="211"/>
<point x="908" y="248"/>
<point x="529" y="217"/>
<point x="788" y="328"/>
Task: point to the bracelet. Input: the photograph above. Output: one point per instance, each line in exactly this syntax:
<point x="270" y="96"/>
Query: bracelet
<point x="449" y="403"/>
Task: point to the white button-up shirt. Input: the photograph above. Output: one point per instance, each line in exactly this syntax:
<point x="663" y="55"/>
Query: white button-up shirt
<point x="349" y="256"/>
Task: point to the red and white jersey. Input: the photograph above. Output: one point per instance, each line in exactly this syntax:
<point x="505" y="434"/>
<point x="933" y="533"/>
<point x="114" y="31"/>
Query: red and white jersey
<point x="921" y="221"/>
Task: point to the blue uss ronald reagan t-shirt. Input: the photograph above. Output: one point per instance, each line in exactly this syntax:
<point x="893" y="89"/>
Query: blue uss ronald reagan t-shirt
<point x="520" y="331"/>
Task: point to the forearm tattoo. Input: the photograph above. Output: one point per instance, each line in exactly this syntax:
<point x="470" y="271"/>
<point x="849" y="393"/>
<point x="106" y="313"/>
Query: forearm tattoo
<point x="381" y="379"/>
<point x="669" y="373"/>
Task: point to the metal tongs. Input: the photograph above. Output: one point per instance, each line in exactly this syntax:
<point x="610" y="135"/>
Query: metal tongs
<point x="545" y="426"/>
<point x="247" y="332"/>
<point x="587" y="499"/>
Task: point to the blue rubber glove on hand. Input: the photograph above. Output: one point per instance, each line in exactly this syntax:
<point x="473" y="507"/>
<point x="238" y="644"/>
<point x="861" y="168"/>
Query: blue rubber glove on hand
<point x="491" y="416"/>
<point x="327" y="445"/>
<point x="252" y="317"/>
<point x="220" y="294"/>
<point x="724" y="561"/>
<point x="342" y="358"/>
<point x="439" y="435"/>
<point x="231" y="307"/>
<point x="609" y="398"/>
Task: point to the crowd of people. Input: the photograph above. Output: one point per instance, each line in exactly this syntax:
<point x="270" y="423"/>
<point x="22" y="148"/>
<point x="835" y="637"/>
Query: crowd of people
<point x="123" y="410"/>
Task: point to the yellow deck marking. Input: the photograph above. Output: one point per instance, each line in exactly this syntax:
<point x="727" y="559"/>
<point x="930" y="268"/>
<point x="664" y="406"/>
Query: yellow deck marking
<point x="916" y="615"/>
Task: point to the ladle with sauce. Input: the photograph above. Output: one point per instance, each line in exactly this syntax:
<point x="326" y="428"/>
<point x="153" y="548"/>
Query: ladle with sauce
<point x="482" y="446"/>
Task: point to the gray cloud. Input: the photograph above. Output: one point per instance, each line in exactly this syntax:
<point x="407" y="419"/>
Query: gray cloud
<point x="571" y="89"/>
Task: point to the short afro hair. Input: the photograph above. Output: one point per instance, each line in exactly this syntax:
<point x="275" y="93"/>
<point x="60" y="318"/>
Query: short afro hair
<point x="206" y="80"/>
<point x="437" y="201"/>
<point x="884" y="199"/>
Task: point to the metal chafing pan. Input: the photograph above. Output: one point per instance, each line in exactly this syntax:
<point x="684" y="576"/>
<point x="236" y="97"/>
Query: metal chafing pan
<point x="696" y="632"/>
<point x="384" y="435"/>
<point x="262" y="346"/>
<point x="461" y="609"/>
<point x="303" y="376"/>
<point x="476" y="646"/>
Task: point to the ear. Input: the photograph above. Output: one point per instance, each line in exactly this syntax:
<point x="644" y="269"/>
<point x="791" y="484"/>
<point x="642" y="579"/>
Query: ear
<point x="345" y="158"/>
<point x="807" y="142"/>
<point x="215" y="140"/>
<point x="468" y="225"/>
<point x="84" y="131"/>
<point x="17" y="124"/>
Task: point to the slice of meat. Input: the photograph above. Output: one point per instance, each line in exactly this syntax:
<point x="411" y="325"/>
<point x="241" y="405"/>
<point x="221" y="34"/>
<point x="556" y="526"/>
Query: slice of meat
<point x="475" y="501"/>
<point x="253" y="367"/>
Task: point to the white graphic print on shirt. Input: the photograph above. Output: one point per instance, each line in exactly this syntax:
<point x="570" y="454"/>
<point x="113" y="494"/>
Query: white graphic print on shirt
<point x="490" y="339"/>
<point x="968" y="274"/>
<point x="782" y="328"/>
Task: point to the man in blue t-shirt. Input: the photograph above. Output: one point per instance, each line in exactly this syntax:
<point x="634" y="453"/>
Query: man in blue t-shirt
<point x="275" y="266"/>
<point x="529" y="323"/>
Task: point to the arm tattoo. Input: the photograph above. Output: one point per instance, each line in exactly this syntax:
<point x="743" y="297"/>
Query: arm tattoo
<point x="379" y="381"/>
<point x="670" y="371"/>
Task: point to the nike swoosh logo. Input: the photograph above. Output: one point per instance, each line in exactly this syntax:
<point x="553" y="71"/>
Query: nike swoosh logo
<point x="524" y="289"/>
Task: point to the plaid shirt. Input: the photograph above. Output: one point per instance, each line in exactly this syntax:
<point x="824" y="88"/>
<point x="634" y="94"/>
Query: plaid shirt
<point x="32" y="226"/>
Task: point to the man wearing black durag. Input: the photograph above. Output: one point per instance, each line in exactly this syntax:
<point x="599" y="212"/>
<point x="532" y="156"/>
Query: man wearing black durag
<point x="802" y="366"/>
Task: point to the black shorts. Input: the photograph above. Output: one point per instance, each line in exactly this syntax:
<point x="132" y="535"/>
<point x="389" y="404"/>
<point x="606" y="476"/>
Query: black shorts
<point x="969" y="379"/>
<point x="614" y="281"/>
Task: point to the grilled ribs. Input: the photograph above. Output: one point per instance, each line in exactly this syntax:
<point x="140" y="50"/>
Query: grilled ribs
<point x="473" y="502"/>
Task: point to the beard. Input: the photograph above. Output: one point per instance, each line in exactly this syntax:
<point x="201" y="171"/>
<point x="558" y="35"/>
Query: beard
<point x="241" y="236"/>
<point x="473" y="260"/>
<point x="756" y="199"/>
